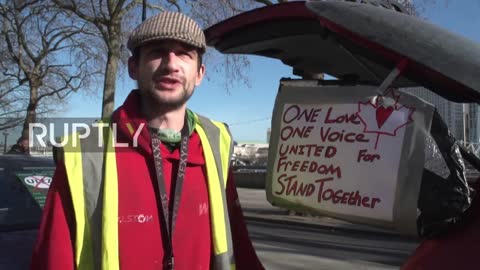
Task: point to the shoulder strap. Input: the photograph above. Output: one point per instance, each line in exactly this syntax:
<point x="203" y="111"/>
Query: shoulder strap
<point x="221" y="142"/>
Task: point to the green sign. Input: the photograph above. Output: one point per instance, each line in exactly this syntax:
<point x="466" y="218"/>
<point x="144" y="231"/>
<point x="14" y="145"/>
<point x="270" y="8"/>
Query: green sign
<point x="37" y="183"/>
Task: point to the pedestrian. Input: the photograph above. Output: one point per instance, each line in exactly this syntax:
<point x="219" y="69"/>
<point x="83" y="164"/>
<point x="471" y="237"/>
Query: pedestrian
<point x="20" y="148"/>
<point x="162" y="196"/>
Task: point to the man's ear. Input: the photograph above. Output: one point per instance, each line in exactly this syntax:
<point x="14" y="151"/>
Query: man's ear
<point x="133" y="68"/>
<point x="200" y="74"/>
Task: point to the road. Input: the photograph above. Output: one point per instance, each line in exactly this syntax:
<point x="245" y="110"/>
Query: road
<point x="281" y="244"/>
<point x="284" y="246"/>
<point x="281" y="241"/>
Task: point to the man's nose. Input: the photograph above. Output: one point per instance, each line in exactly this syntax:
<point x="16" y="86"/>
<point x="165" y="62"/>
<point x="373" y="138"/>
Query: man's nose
<point x="170" y="61"/>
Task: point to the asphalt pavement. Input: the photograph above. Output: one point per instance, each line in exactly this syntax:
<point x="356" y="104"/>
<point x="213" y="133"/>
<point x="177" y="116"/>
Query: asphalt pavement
<point x="256" y="207"/>
<point x="285" y="240"/>
<point x="282" y="246"/>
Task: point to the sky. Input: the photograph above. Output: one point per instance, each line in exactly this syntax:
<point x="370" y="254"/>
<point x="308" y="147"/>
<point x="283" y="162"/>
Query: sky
<point x="248" y="110"/>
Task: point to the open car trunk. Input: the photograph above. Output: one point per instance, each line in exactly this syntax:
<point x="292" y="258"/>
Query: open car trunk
<point x="355" y="42"/>
<point x="376" y="160"/>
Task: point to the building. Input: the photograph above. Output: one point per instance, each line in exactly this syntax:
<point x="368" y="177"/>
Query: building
<point x="474" y="123"/>
<point x="452" y="114"/>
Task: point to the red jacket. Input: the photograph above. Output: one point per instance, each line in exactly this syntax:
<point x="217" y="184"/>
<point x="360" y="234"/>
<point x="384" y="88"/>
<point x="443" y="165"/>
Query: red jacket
<point x="140" y="236"/>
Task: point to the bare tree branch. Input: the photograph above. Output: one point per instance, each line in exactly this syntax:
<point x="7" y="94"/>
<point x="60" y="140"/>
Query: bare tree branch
<point x="5" y="114"/>
<point x="121" y="12"/>
<point x="11" y="123"/>
<point x="174" y="3"/>
<point x="36" y="76"/>
<point x="113" y="18"/>
<point x="73" y="8"/>
<point x="21" y="5"/>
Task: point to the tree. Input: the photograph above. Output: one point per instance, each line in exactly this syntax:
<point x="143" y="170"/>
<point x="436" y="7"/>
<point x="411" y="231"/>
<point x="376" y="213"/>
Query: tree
<point x="113" y="18"/>
<point x="46" y="56"/>
<point x="10" y="106"/>
<point x="108" y="18"/>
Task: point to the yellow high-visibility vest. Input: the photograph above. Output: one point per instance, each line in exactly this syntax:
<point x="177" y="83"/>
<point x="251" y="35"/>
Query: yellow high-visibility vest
<point x="96" y="244"/>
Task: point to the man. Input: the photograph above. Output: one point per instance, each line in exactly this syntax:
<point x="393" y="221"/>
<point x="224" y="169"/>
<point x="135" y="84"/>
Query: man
<point x="20" y="148"/>
<point x="167" y="201"/>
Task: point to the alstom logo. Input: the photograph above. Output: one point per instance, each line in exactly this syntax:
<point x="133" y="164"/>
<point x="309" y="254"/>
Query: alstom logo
<point x="141" y="218"/>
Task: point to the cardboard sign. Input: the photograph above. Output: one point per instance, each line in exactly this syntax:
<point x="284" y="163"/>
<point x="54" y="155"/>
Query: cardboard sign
<point x="347" y="152"/>
<point x="37" y="183"/>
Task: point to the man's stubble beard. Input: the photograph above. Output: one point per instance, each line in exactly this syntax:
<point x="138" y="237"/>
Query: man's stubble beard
<point x="158" y="102"/>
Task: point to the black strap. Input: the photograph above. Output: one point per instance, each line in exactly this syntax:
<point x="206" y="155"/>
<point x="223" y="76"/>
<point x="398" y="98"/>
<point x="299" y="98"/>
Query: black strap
<point x="168" y="218"/>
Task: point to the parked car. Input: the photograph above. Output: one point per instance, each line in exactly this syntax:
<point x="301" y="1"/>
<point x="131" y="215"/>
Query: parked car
<point x="368" y="43"/>
<point x="24" y="182"/>
<point x="261" y="156"/>
<point x="250" y="153"/>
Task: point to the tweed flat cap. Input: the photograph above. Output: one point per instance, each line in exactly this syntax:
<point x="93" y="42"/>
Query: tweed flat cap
<point x="168" y="25"/>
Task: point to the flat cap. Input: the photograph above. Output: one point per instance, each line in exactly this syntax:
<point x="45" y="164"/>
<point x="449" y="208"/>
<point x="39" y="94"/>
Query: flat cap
<point x="168" y="25"/>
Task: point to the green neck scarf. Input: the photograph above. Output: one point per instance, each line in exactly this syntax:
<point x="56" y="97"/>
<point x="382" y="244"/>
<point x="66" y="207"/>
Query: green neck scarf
<point x="170" y="137"/>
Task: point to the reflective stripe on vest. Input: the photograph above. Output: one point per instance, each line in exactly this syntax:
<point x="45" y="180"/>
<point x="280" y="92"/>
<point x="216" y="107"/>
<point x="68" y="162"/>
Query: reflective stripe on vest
<point x="96" y="245"/>
<point x="217" y="174"/>
<point x="96" y="226"/>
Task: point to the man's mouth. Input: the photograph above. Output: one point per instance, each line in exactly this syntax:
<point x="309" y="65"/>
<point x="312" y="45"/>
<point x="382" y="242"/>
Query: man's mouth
<point x="168" y="82"/>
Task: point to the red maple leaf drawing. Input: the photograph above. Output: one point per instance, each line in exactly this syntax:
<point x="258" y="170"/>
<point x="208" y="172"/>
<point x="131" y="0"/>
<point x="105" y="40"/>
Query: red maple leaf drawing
<point x="384" y="115"/>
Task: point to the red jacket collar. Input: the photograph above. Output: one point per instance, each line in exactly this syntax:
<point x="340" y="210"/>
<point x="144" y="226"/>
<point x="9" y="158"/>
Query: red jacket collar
<point x="129" y="119"/>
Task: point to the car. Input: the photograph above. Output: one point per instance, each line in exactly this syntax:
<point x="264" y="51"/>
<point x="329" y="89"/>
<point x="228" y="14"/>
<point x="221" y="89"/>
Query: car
<point x="355" y="43"/>
<point x="371" y="48"/>
<point x="251" y="153"/>
<point x="24" y="182"/>
<point x="261" y="156"/>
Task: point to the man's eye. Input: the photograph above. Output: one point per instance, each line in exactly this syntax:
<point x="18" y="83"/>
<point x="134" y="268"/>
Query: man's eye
<point x="185" y="53"/>
<point x="157" y="52"/>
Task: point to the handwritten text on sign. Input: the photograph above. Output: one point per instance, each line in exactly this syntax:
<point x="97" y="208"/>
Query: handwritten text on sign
<point x="326" y="159"/>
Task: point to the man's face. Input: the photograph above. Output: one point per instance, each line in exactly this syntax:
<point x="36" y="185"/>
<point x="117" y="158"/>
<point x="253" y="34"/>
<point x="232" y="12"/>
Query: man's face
<point x="167" y="72"/>
<point x="24" y="144"/>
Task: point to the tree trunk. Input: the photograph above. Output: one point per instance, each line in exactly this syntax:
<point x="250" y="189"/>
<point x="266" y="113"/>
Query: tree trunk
<point x="109" y="85"/>
<point x="111" y="71"/>
<point x="31" y="115"/>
